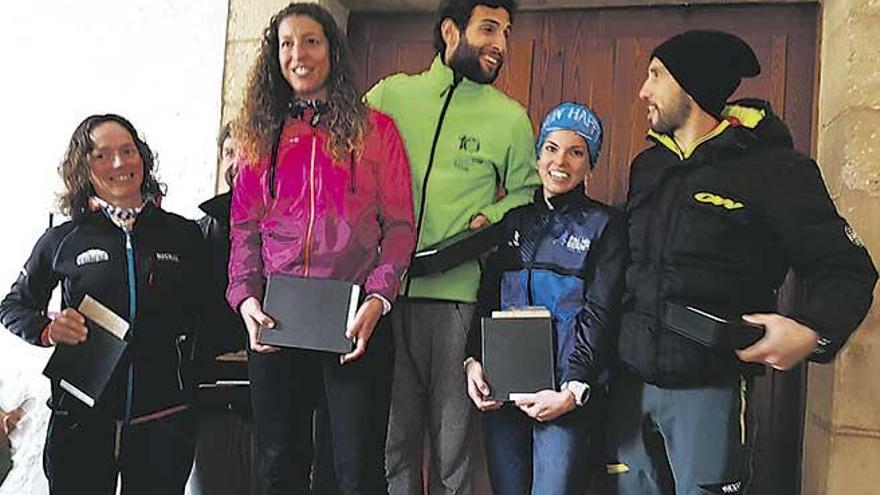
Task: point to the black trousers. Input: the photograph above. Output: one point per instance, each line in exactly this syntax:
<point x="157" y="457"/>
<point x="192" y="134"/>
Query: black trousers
<point x="86" y="452"/>
<point x="287" y="386"/>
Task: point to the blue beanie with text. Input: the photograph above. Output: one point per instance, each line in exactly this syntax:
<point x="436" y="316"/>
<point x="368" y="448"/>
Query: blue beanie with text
<point x="569" y="116"/>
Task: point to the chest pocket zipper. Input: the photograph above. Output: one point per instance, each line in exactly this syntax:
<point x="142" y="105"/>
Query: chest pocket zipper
<point x="178" y="341"/>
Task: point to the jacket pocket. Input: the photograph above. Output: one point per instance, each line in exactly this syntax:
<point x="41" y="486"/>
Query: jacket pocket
<point x="664" y="358"/>
<point x="710" y="234"/>
<point x="281" y="249"/>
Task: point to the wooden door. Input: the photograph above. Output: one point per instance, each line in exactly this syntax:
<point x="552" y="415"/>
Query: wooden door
<point x="599" y="57"/>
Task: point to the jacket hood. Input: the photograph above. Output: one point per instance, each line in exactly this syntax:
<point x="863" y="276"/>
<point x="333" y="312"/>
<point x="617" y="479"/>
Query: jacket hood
<point x="752" y="122"/>
<point x="758" y="116"/>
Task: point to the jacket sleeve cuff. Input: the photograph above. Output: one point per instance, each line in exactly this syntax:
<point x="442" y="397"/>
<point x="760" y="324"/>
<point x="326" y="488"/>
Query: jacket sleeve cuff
<point x="386" y="304"/>
<point x="827" y="344"/>
<point x="236" y="294"/>
<point x="580" y="390"/>
<point x="45" y="341"/>
<point x="493" y="213"/>
<point x="826" y="349"/>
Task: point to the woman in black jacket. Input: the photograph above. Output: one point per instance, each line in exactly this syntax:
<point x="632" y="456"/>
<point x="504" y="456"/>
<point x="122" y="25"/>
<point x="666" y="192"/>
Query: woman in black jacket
<point x="142" y="263"/>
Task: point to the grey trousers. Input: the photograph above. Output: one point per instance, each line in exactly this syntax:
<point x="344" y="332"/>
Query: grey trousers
<point x="429" y="394"/>
<point x="684" y="441"/>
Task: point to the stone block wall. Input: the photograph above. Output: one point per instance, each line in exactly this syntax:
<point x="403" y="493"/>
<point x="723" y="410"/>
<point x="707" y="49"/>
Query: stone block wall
<point x="842" y="427"/>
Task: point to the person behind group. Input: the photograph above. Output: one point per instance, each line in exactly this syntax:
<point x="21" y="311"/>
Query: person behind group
<point x="720" y="208"/>
<point x="565" y="252"/>
<point x="227" y="330"/>
<point x="465" y="139"/>
<point x="143" y="263"/>
<point x="322" y="192"/>
<point x="224" y="450"/>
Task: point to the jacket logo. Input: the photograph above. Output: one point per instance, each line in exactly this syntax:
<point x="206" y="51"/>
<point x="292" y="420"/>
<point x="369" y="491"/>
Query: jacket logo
<point x="91" y="256"/>
<point x="468" y="143"/>
<point x="514" y="242"/>
<point x="716" y="200"/>
<point x="172" y="257"/>
<point x="577" y="244"/>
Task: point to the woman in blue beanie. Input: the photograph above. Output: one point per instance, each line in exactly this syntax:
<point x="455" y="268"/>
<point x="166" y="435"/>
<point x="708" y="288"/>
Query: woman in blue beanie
<point x="567" y="253"/>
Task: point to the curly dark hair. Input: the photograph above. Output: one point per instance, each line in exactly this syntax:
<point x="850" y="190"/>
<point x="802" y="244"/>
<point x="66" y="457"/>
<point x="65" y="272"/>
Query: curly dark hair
<point x="268" y="93"/>
<point x="74" y="169"/>
<point x="460" y="12"/>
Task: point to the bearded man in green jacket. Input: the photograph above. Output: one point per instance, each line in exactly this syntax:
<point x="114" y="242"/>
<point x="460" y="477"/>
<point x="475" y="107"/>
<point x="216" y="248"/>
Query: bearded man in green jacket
<point x="465" y="140"/>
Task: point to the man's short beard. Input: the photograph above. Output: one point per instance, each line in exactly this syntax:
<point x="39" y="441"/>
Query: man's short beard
<point x="675" y="117"/>
<point x="465" y="60"/>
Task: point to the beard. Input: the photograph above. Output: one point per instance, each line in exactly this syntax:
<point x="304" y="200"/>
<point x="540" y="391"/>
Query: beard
<point x="466" y="61"/>
<point x="673" y="117"/>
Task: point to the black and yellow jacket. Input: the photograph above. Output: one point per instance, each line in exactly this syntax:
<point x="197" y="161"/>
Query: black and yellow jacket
<point x="718" y="227"/>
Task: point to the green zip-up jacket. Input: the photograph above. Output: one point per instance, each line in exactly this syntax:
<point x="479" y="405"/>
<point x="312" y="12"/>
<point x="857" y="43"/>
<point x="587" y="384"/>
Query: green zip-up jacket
<point x="485" y="139"/>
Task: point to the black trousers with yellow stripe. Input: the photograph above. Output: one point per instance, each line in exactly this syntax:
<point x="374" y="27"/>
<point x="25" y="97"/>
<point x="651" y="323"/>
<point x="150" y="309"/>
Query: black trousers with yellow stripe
<point x="681" y="441"/>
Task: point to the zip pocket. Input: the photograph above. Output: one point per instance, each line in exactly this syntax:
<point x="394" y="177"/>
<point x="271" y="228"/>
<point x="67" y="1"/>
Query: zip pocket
<point x="178" y="341"/>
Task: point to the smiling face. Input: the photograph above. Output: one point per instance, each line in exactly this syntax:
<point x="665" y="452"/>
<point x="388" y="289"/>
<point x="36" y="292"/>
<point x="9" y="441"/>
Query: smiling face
<point x="479" y="54"/>
<point x="116" y="169"/>
<point x="668" y="104"/>
<point x="563" y="163"/>
<point x="304" y="56"/>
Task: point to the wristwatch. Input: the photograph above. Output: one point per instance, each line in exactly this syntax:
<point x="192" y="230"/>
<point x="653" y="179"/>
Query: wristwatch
<point x="580" y="390"/>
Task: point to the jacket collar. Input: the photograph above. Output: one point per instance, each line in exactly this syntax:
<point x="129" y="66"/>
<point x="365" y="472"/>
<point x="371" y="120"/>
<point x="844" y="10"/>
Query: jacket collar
<point x="669" y="143"/>
<point x="98" y="216"/>
<point x="442" y="77"/>
<point x="745" y="123"/>
<point x="218" y="206"/>
<point x="575" y="196"/>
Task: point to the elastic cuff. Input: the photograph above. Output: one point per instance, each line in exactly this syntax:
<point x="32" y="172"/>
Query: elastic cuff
<point x="466" y="362"/>
<point x="386" y="304"/>
<point x="823" y="344"/>
<point x="491" y="215"/>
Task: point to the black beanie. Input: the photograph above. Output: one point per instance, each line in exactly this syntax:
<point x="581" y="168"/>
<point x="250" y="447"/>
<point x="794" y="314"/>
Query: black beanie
<point x="709" y="65"/>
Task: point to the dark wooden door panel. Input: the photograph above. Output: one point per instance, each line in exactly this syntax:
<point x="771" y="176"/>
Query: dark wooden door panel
<point x="600" y="57"/>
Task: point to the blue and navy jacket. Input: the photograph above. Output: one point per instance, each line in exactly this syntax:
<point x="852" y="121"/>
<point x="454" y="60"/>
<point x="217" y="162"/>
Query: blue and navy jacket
<point x="569" y="256"/>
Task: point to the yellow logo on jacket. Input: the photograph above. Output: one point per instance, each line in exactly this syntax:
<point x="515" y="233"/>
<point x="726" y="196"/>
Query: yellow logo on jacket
<point x="716" y="200"/>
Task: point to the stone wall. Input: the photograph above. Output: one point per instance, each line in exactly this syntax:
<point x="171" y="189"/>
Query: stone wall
<point x="842" y="432"/>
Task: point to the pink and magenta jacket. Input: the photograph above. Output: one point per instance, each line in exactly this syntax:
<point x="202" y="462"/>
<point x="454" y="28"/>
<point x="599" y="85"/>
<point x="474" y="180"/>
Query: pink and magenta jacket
<point x="349" y="221"/>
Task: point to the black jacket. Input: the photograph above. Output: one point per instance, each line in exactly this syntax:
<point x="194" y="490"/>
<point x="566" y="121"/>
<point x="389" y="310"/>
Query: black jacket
<point x="719" y="230"/>
<point x="569" y="259"/>
<point x="88" y="255"/>
<point x="224" y="331"/>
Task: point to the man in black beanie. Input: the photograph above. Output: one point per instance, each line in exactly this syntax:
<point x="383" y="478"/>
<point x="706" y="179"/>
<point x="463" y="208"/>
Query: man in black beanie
<point x="720" y="208"/>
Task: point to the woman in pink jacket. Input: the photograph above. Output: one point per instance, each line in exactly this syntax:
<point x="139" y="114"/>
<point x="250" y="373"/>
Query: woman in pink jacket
<point x="324" y="192"/>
